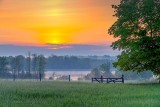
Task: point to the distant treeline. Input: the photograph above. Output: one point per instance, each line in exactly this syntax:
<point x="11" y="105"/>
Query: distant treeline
<point x="75" y="62"/>
<point x="34" y="66"/>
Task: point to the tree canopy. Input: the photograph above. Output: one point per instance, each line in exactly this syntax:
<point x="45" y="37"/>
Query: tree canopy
<point x="138" y="31"/>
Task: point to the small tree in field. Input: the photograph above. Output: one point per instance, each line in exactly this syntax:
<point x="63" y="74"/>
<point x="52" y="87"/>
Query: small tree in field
<point x="95" y="72"/>
<point x="19" y="64"/>
<point x="105" y="69"/>
<point x="138" y="31"/>
<point x="41" y="66"/>
<point x="35" y="64"/>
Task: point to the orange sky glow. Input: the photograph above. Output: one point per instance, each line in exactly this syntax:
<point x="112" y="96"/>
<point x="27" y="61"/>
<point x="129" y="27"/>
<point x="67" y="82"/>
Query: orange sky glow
<point x="42" y="22"/>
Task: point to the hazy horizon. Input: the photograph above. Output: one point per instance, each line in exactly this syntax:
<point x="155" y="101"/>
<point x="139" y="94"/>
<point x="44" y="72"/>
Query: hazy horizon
<point x="75" y="50"/>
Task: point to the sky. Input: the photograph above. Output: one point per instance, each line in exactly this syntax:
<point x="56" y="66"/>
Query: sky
<point x="56" y="26"/>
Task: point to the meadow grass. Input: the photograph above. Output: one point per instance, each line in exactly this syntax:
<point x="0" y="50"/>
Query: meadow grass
<point x="75" y="94"/>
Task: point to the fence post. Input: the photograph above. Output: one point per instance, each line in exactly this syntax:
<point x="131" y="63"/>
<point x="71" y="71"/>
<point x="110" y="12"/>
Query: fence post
<point x="69" y="78"/>
<point x="101" y="79"/>
<point x="122" y="78"/>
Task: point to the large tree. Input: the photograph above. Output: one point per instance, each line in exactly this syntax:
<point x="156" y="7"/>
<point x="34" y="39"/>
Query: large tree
<point x="138" y="31"/>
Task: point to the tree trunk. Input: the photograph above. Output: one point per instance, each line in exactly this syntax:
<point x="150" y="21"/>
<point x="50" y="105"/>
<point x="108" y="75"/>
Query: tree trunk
<point x="40" y="77"/>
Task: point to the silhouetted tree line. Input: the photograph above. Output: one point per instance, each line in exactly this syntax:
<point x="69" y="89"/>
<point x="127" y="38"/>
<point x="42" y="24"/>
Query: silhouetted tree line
<point x="33" y="66"/>
<point x="73" y="62"/>
<point x="20" y="67"/>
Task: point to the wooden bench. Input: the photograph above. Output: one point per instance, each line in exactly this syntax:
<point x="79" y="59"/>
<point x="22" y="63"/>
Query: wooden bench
<point x="108" y="80"/>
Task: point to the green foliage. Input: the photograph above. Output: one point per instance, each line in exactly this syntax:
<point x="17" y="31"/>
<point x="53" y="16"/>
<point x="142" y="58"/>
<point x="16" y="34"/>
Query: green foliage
<point x="74" y="94"/>
<point x="138" y="31"/>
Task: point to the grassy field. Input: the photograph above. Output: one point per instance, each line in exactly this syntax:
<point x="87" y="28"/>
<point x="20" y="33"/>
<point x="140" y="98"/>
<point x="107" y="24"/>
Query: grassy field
<point x="74" y="94"/>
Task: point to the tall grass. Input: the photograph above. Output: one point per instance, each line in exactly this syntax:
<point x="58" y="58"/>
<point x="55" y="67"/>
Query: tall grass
<point x="74" y="94"/>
